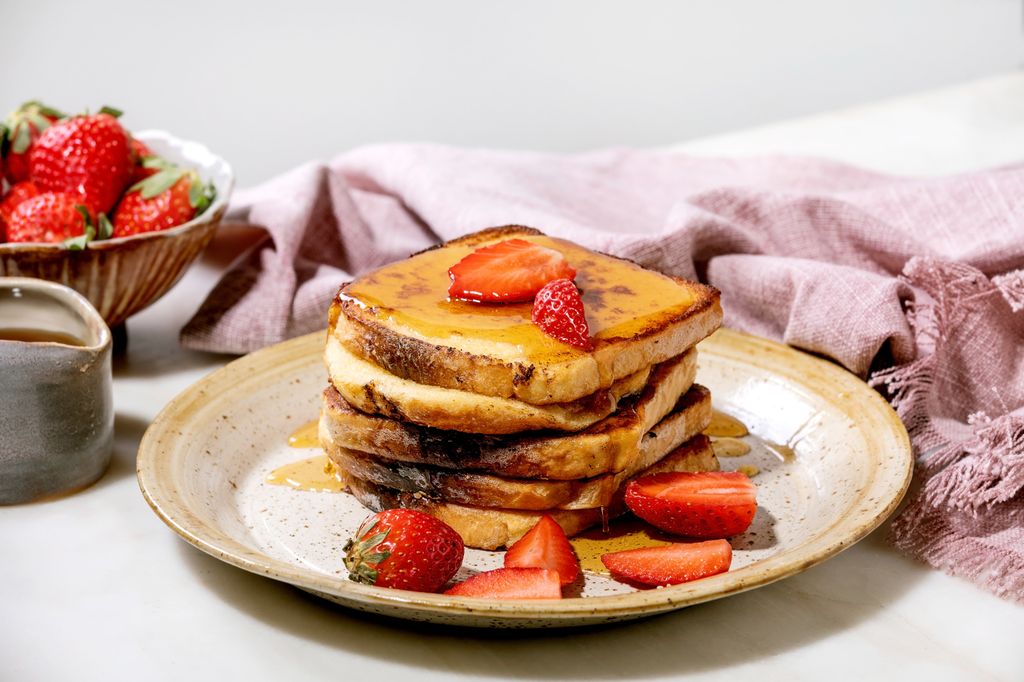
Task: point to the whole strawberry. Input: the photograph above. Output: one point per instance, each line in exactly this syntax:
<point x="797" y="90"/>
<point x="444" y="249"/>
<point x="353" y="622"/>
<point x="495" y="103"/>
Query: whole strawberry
<point x="171" y="196"/>
<point x="141" y="153"/>
<point x="21" y="128"/>
<point x="404" y="549"/>
<point x="51" y="217"/>
<point x="558" y="311"/>
<point x="141" y="150"/>
<point x="86" y="155"/>
<point x="15" y="195"/>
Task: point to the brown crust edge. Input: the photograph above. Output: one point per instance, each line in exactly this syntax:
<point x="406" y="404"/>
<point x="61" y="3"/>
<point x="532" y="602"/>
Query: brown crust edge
<point x="572" y="416"/>
<point x="489" y="489"/>
<point x="545" y="455"/>
<point x="438" y="365"/>
<point x="493" y="528"/>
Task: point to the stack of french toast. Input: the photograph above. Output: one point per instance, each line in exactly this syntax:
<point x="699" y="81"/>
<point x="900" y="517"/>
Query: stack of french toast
<point x="468" y="408"/>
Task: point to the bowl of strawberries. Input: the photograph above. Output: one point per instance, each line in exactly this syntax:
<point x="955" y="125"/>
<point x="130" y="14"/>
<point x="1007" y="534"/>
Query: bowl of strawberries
<point x="117" y="216"/>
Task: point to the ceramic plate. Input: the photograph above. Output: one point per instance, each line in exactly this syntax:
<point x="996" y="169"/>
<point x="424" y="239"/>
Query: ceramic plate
<point x="204" y="461"/>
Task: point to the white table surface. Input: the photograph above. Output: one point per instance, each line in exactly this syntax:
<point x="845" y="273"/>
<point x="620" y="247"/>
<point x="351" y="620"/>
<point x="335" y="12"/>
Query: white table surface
<point x="95" y="587"/>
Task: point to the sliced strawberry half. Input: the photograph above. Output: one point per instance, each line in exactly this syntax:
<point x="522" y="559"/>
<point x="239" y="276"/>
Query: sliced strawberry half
<point x="713" y="504"/>
<point x="511" y="583"/>
<point x="558" y="311"/>
<point x="545" y="546"/>
<point x="670" y="564"/>
<point x="511" y="271"/>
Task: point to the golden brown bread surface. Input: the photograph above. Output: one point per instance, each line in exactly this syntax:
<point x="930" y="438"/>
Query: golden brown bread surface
<point x="491" y="528"/>
<point x="487" y="489"/>
<point x="371" y="389"/>
<point x="606" y="446"/>
<point x="398" y="318"/>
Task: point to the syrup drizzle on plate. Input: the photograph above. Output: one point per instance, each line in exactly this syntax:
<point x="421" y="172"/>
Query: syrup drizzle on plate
<point x="623" y="534"/>
<point x="729" y="447"/>
<point x="725" y="426"/>
<point x="315" y="474"/>
<point x="318" y="474"/>
<point x="305" y="436"/>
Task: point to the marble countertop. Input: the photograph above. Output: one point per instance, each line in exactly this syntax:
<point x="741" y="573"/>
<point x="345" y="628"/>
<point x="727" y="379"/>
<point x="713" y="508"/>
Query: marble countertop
<point x="95" y="587"/>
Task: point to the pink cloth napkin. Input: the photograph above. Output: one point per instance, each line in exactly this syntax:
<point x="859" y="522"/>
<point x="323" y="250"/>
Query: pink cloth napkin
<point x="914" y="284"/>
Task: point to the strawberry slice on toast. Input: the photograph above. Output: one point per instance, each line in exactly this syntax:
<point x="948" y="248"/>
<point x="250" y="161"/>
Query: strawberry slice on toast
<point x="512" y="271"/>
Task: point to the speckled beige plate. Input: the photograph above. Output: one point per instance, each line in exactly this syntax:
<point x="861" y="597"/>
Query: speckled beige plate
<point x="202" y="466"/>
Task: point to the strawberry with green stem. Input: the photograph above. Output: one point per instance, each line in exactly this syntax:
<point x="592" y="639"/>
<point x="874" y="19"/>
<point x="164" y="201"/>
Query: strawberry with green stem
<point x="53" y="218"/>
<point x="405" y="549"/>
<point x="18" y="133"/>
<point x="142" y="153"/>
<point x="88" y="155"/>
<point x="169" y="197"/>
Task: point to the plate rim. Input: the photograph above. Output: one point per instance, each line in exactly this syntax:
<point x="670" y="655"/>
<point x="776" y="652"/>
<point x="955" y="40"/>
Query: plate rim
<point x="898" y="463"/>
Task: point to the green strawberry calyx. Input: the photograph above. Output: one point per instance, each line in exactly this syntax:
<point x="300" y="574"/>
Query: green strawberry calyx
<point x="167" y="174"/>
<point x="363" y="556"/>
<point x="17" y="130"/>
<point x="102" y="229"/>
<point x="200" y="194"/>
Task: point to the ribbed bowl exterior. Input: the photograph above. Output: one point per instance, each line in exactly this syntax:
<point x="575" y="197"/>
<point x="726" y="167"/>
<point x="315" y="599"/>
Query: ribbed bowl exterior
<point x="122" y="276"/>
<point x="119" y="279"/>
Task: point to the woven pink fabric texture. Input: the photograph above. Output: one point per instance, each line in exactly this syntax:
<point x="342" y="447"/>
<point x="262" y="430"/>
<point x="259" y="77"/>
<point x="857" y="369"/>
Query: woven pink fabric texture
<point x="914" y="284"/>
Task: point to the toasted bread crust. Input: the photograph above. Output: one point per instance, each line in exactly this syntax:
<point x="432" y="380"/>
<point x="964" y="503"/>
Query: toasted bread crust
<point x="605" y="447"/>
<point x="489" y="490"/>
<point x="427" y="362"/>
<point x="375" y="391"/>
<point x="491" y="528"/>
<point x="488" y="234"/>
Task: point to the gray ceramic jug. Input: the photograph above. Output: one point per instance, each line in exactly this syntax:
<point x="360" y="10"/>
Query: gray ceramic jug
<point x="56" y="407"/>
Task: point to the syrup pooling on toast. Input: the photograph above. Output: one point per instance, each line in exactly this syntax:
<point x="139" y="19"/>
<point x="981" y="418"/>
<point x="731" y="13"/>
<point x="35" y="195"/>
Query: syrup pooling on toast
<point x="622" y="300"/>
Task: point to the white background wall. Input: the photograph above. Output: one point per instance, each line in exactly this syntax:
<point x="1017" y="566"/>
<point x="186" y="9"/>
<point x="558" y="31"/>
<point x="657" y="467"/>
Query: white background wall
<point x="271" y="85"/>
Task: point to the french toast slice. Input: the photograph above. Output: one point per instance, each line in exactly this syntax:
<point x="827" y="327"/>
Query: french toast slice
<point x="373" y="390"/>
<point x="491" y="528"/>
<point x="489" y="490"/>
<point x="399" y="318"/>
<point x="607" y="446"/>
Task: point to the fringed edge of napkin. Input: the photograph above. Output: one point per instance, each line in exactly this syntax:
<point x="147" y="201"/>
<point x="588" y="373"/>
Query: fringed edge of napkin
<point x="961" y="480"/>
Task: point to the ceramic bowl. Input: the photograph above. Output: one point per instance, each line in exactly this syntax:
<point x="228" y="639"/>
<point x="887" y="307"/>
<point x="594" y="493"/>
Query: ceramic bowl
<point x="122" y="276"/>
<point x="56" y="405"/>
